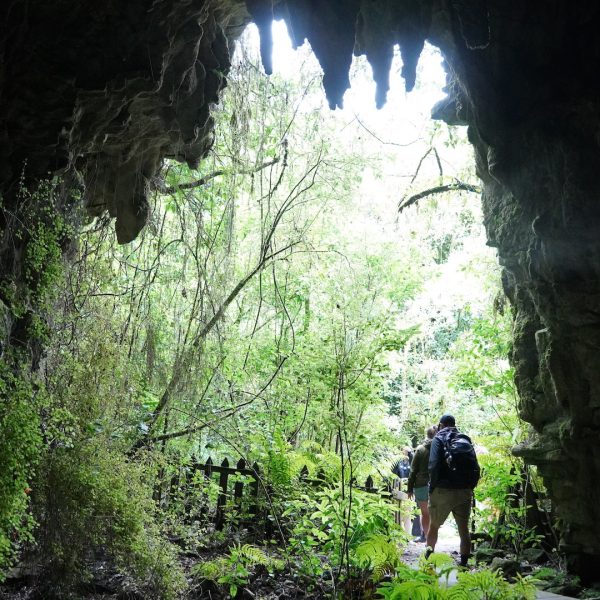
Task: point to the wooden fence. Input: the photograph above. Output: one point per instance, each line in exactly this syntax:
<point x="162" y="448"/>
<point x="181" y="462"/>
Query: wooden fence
<point x="250" y="501"/>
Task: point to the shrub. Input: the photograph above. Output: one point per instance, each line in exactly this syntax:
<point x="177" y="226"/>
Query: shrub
<point x="94" y="503"/>
<point x="20" y="445"/>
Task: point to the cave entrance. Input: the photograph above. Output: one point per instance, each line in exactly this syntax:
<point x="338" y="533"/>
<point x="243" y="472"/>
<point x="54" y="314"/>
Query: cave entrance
<point x="277" y="305"/>
<point x="415" y="197"/>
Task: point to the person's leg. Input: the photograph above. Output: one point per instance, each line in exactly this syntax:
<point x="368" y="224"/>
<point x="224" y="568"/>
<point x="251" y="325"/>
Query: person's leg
<point x="432" y="535"/>
<point x="439" y="509"/>
<point x="465" y="537"/>
<point x="462" y="513"/>
<point x="424" y="508"/>
<point x="422" y="500"/>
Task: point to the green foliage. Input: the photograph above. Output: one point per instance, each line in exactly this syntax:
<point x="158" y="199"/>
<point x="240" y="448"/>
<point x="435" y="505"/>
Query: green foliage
<point x="378" y="554"/>
<point x="234" y="570"/>
<point x="551" y="579"/>
<point x="41" y="227"/>
<point x="421" y="584"/>
<point x="489" y="585"/>
<point x="20" y="445"/>
<point x="92" y="499"/>
<point x="343" y="526"/>
<point x="39" y="224"/>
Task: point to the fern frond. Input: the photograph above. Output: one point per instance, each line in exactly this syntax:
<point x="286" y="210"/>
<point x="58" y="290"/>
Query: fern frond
<point x="438" y="559"/>
<point x="253" y="555"/>
<point x="211" y="569"/>
<point x="524" y="588"/>
<point x="377" y="553"/>
<point x="481" y="584"/>
<point x="410" y="590"/>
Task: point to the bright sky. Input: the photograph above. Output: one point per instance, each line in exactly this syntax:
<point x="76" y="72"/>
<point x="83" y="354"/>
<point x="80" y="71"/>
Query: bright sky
<point x="360" y="98"/>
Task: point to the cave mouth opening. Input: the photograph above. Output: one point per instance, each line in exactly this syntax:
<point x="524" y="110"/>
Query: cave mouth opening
<point x="109" y="113"/>
<point x="412" y="182"/>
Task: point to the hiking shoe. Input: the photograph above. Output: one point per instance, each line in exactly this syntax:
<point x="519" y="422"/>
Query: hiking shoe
<point x="463" y="562"/>
<point x="420" y="540"/>
<point x="428" y="552"/>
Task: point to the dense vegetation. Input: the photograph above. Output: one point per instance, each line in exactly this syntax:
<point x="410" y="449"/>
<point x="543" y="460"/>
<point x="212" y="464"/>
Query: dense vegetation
<point x="277" y="309"/>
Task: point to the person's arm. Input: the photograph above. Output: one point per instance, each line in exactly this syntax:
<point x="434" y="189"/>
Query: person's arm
<point x="477" y="470"/>
<point x="436" y="456"/>
<point x="414" y="469"/>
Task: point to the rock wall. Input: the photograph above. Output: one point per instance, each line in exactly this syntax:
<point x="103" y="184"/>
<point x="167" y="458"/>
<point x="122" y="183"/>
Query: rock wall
<point x="101" y="92"/>
<point x="104" y="91"/>
<point x="98" y="93"/>
<point x="533" y="108"/>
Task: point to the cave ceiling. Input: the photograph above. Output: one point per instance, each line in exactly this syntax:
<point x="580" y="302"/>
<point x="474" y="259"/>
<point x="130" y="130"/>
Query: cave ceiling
<point x="104" y="92"/>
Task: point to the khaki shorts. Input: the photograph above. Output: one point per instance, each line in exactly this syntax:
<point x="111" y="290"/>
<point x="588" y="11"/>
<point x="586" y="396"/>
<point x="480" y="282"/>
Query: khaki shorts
<point x="444" y="501"/>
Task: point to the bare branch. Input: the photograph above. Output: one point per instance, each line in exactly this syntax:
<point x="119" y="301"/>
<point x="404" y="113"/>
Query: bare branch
<point x="379" y="139"/>
<point x="419" y="165"/>
<point x="440" y="189"/>
<point x="204" y="180"/>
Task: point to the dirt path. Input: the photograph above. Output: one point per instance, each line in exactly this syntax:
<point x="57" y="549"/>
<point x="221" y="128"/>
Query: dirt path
<point x="448" y="542"/>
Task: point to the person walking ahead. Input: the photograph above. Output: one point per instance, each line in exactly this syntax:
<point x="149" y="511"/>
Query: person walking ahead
<point x="453" y="474"/>
<point x="418" y="480"/>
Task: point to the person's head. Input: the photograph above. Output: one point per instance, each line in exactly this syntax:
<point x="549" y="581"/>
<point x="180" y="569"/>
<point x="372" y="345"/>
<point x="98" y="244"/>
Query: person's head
<point x="431" y="431"/>
<point x="447" y="421"/>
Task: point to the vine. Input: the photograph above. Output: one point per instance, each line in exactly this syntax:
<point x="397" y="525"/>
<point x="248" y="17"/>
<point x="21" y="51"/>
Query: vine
<point x="33" y="270"/>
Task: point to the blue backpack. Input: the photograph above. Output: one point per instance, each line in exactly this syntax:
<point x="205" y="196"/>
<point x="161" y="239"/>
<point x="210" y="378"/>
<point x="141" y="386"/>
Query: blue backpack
<point x="401" y="468"/>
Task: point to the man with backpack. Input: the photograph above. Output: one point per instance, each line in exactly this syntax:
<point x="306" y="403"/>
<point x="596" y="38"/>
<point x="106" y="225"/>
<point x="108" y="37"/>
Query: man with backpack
<point x="453" y="474"/>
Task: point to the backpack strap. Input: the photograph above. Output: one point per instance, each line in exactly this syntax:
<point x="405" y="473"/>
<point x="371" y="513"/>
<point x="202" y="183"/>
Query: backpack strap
<point x="446" y="440"/>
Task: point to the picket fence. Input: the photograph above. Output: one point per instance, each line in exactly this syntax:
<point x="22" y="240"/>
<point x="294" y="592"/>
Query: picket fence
<point x="247" y="503"/>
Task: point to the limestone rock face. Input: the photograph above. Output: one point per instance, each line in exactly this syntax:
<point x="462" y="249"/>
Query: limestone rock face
<point x="533" y="111"/>
<point x="103" y="91"/>
<point x="99" y="93"/>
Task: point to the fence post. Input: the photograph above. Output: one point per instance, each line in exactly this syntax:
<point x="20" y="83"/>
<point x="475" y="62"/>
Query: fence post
<point x="369" y="485"/>
<point x="189" y="481"/>
<point x="238" y="487"/>
<point x="220" y="517"/>
<point x="207" y="479"/>
<point x="320" y="477"/>
<point x="254" y="487"/>
<point x="303" y="474"/>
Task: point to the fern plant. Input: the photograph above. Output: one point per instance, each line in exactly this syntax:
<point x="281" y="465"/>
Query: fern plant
<point x="410" y="590"/>
<point x="377" y="553"/>
<point x="438" y="565"/>
<point x="234" y="571"/>
<point x="423" y="584"/>
<point x="489" y="585"/>
<point x="409" y="583"/>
